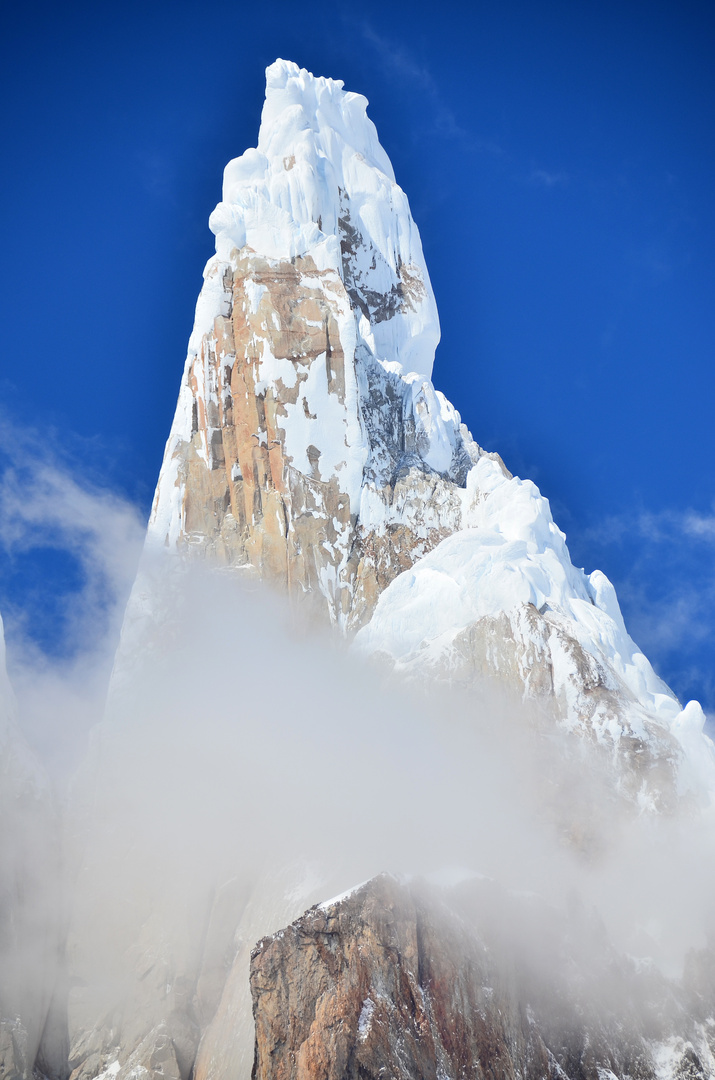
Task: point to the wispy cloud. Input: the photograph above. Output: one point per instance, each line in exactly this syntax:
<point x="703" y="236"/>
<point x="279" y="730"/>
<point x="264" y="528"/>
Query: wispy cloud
<point x="663" y="526"/>
<point x="668" y="595"/>
<point x="42" y="507"/>
<point x="702" y="525"/>
<point x="547" y="179"/>
<point x="48" y="507"/>
<point x="405" y="67"/>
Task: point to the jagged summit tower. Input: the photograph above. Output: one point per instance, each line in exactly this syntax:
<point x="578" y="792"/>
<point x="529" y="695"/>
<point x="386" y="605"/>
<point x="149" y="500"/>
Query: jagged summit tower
<point x="309" y="447"/>
<point x="310" y="450"/>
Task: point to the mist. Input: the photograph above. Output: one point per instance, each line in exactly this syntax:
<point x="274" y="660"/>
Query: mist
<point x="242" y="760"/>
<point x="61" y="635"/>
<point x="242" y="738"/>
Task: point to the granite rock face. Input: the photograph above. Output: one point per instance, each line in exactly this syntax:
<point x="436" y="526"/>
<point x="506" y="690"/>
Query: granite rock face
<point x="310" y="449"/>
<point x="408" y="982"/>
<point x="252" y="495"/>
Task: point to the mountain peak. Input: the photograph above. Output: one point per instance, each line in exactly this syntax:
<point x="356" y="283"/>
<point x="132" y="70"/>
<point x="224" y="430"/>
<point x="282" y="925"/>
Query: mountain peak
<point x="319" y="184"/>
<point x="298" y="101"/>
<point x="309" y="447"/>
<point x="282" y="73"/>
<point x="310" y="450"/>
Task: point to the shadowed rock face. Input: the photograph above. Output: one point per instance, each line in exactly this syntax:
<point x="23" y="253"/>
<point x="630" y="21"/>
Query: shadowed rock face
<point x="393" y="981"/>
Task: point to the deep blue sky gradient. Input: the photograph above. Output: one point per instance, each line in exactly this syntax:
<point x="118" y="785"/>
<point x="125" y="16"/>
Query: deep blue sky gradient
<point x="559" y="162"/>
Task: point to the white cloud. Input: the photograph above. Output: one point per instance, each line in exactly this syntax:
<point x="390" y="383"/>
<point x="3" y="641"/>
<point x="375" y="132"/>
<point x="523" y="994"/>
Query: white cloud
<point x="45" y="504"/>
<point x="701" y="525"/>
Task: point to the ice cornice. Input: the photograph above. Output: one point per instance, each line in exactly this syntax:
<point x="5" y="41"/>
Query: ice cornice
<point x="298" y="101"/>
<point x="320" y="185"/>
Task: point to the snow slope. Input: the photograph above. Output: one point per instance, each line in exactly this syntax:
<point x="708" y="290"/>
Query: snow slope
<point x="511" y="555"/>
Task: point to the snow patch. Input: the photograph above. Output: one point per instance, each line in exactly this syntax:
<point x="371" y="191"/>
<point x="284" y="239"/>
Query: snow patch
<point x="365" y="1019"/>
<point x="342" y="896"/>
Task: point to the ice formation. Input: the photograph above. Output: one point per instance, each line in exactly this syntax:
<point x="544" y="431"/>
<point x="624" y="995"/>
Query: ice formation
<point x="310" y="449"/>
<point x="310" y="446"/>
<point x="318" y="186"/>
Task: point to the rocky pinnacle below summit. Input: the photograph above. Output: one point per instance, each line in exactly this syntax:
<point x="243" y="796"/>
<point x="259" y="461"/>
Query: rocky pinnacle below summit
<point x="404" y="981"/>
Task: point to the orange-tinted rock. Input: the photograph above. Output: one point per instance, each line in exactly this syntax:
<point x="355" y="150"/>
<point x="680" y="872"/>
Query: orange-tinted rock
<point x="394" y="981"/>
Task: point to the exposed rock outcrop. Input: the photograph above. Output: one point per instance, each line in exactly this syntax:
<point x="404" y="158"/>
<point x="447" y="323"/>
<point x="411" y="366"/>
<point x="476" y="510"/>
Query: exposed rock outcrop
<point x="310" y="448"/>
<point x="409" y="982"/>
<point x="258" y="493"/>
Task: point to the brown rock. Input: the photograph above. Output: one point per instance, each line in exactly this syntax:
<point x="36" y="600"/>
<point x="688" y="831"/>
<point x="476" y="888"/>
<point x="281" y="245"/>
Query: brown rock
<point x="393" y="981"/>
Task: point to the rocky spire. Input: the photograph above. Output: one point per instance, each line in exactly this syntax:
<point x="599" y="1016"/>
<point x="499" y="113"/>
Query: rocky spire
<point x="310" y="447"/>
<point x="306" y="403"/>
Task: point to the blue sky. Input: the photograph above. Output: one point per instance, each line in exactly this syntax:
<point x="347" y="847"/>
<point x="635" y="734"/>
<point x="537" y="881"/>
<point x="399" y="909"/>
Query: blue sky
<point x="559" y="160"/>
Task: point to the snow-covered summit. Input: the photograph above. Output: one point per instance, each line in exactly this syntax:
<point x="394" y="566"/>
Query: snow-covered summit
<point x="320" y="183"/>
<point x="310" y="447"/>
<point x="297" y="101"/>
<point x="313" y="340"/>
